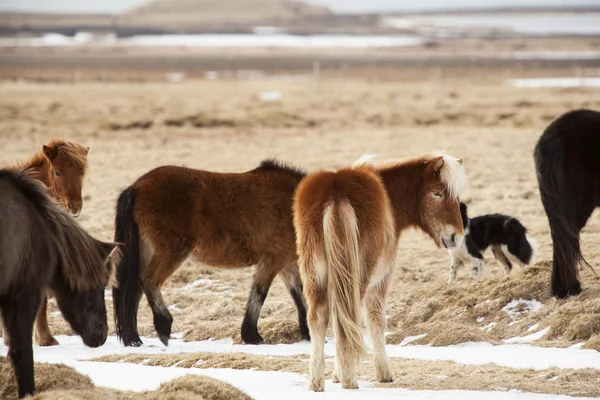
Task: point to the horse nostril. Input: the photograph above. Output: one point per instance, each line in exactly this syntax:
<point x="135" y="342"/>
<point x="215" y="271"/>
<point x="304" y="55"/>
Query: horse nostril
<point x="70" y="205"/>
<point x="453" y="238"/>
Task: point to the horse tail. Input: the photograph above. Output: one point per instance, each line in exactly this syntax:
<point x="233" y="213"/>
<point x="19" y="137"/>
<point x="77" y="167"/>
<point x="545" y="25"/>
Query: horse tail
<point x="562" y="199"/>
<point x="340" y="231"/>
<point x="82" y="259"/>
<point x="125" y="294"/>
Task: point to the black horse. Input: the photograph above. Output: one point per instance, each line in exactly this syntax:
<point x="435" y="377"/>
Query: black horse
<point x="42" y="247"/>
<point x="567" y="161"/>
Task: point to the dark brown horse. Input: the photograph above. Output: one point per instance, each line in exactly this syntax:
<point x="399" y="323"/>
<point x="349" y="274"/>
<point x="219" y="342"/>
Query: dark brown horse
<point x="348" y="224"/>
<point x="41" y="248"/>
<point x="567" y="162"/>
<point x="225" y="220"/>
<point x="61" y="166"/>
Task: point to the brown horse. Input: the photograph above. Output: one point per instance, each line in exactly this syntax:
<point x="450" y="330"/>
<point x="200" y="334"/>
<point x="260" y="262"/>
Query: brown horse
<point x="61" y="166"/>
<point x="221" y="219"/>
<point x="348" y="224"/>
<point x="41" y="248"/>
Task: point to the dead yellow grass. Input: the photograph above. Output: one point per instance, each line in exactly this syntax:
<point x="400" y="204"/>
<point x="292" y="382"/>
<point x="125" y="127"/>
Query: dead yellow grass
<point x="48" y="377"/>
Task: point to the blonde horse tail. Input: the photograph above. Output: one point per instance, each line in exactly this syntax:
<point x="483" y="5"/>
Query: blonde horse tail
<point x="340" y="231"/>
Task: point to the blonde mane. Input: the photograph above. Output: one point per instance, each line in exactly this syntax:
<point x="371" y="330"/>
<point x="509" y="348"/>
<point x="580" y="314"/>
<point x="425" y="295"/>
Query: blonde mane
<point x="452" y="173"/>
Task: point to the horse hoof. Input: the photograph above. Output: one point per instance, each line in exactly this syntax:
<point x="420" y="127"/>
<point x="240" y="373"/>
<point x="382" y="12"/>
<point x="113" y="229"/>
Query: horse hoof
<point x="47" y="342"/>
<point x="134" y="343"/>
<point x="164" y="339"/>
<point x="253" y="339"/>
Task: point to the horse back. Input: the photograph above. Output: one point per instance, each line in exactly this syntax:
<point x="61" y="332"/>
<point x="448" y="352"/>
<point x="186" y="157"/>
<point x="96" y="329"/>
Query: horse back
<point x="232" y="218"/>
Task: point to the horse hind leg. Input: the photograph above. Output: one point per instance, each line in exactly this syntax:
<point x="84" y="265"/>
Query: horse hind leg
<point x="160" y="267"/>
<point x="376" y="322"/>
<point x="42" y="334"/>
<point x="502" y="259"/>
<point x="291" y="278"/>
<point x="263" y="278"/>
<point x="18" y="314"/>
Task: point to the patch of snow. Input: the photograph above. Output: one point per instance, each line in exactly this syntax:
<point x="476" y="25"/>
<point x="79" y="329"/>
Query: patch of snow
<point x="533" y="327"/>
<point x="517" y="307"/>
<point x="175" y="77"/>
<point x="71" y="349"/>
<point x="489" y="326"/>
<point x="173" y="307"/>
<point x="410" y="339"/>
<point x="555" y="82"/>
<point x="267" y="385"/>
<point x="529" y="338"/>
<point x="273" y="95"/>
<point x="480" y="319"/>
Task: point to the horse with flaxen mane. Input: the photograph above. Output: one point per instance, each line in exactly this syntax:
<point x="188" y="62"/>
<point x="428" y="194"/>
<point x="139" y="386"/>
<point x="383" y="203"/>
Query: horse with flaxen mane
<point x="225" y="220"/>
<point x="568" y="170"/>
<point x="61" y="166"/>
<point x="41" y="248"/>
<point x="348" y="224"/>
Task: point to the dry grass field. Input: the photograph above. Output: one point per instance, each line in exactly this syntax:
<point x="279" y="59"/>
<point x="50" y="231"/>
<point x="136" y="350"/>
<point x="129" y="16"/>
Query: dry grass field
<point x="224" y="125"/>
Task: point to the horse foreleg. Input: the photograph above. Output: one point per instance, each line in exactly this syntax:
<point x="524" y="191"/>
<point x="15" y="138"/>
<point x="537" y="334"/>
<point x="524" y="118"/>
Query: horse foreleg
<point x="263" y="278"/>
<point x="163" y="320"/>
<point x="376" y="322"/>
<point x="42" y="334"/>
<point x="18" y="315"/>
<point x="291" y="278"/>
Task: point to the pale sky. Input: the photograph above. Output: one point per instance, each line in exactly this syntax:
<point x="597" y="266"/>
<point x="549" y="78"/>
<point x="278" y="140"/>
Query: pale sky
<point x="348" y="6"/>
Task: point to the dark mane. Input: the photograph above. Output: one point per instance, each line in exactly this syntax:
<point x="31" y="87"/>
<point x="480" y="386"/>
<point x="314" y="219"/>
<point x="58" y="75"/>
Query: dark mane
<point x="274" y="164"/>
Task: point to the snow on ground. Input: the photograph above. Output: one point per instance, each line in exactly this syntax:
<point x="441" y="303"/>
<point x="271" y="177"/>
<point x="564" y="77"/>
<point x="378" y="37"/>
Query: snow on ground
<point x="528" y="338"/>
<point x="267" y="385"/>
<point x="71" y="349"/>
<point x="555" y="82"/>
<point x="293" y="386"/>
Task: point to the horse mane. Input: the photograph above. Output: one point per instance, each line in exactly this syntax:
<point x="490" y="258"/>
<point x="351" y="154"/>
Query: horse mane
<point x="80" y="255"/>
<point x="452" y="174"/>
<point x="275" y="165"/>
<point x="76" y="153"/>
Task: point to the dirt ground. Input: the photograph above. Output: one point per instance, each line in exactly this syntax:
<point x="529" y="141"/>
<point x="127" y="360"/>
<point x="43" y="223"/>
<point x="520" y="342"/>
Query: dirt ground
<point x="223" y="125"/>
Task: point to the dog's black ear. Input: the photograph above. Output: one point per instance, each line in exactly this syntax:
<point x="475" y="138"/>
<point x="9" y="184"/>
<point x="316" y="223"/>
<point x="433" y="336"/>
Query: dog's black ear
<point x="463" y="208"/>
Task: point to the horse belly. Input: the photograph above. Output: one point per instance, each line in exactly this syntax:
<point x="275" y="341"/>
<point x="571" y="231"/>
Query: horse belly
<point x="225" y="252"/>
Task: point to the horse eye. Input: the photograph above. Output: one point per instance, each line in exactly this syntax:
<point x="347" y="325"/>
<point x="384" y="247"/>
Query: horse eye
<point x="437" y="194"/>
<point x="57" y="173"/>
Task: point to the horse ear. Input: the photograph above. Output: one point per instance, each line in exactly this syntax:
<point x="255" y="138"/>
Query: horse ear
<point x="108" y="249"/>
<point x="439" y="163"/>
<point x="50" y="152"/>
<point x="460" y="161"/>
<point x="87" y="150"/>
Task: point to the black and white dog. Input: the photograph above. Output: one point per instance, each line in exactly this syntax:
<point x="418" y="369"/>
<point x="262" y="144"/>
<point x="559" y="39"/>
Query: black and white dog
<point x="505" y="235"/>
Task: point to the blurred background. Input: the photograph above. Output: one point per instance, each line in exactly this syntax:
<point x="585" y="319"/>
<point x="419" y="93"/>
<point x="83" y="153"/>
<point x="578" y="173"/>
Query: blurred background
<point x="178" y="39"/>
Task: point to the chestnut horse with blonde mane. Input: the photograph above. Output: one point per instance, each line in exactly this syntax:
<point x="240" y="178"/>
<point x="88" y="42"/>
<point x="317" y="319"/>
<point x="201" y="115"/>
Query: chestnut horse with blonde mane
<point x="61" y="166"/>
<point x="348" y="224"/>
<point x="227" y="220"/>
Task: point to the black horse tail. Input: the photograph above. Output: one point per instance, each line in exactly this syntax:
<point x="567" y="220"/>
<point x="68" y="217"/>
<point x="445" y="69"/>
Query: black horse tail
<point x="126" y="293"/>
<point x="568" y="205"/>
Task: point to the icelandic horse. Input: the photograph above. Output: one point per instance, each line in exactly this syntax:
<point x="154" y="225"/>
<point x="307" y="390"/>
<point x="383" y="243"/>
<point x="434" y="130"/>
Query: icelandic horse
<point x="567" y="164"/>
<point x="41" y="248"/>
<point x="227" y="220"/>
<point x="61" y="166"/>
<point x="348" y="224"/>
